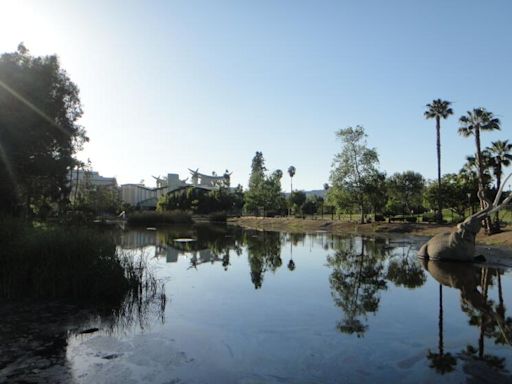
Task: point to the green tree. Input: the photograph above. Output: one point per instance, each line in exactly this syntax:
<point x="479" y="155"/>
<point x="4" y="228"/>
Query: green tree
<point x="438" y="109"/>
<point x="312" y="205"/>
<point x="471" y="125"/>
<point x="500" y="154"/>
<point x="264" y="191"/>
<point x="39" y="133"/>
<point x="296" y="200"/>
<point x="252" y="199"/>
<point x="454" y="192"/>
<point x="353" y="166"/>
<point x="375" y="190"/>
<point x="406" y="190"/>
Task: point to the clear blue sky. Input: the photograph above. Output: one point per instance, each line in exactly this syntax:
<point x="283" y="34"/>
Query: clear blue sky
<point x="168" y="85"/>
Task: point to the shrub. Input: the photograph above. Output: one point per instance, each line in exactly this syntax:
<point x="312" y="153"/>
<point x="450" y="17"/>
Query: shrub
<point x="411" y="219"/>
<point x="428" y="218"/>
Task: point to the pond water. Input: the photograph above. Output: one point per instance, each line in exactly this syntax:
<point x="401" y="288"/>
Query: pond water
<point x="269" y="307"/>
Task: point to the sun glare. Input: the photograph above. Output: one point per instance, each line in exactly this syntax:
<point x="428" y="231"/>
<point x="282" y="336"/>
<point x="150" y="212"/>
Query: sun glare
<point x="22" y="21"/>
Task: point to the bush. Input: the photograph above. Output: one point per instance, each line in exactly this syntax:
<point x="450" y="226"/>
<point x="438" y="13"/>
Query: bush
<point x="429" y="218"/>
<point x="153" y="218"/>
<point x="411" y="219"/>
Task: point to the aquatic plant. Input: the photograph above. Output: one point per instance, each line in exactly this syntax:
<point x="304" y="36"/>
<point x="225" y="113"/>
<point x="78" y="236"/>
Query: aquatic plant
<point x="56" y="262"/>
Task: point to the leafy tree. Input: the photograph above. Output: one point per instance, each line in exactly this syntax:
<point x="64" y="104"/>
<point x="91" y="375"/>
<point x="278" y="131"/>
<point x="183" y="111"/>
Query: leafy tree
<point x="500" y="154"/>
<point x="39" y="134"/>
<point x="471" y="125"/>
<point x="264" y="191"/>
<point x="340" y="199"/>
<point x="439" y="109"/>
<point x="454" y="192"/>
<point x="98" y="200"/>
<point x="354" y="166"/>
<point x="470" y="170"/>
<point x="202" y="201"/>
<point x="375" y="190"/>
<point x="296" y="200"/>
<point x="291" y="172"/>
<point x="312" y="205"/>
<point x="406" y="190"/>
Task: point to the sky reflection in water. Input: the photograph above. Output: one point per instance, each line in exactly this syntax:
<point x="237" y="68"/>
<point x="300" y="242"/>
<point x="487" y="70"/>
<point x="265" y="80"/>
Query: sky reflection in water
<point x="253" y="306"/>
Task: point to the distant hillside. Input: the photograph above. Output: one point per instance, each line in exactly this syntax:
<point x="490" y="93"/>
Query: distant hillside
<point x="315" y="192"/>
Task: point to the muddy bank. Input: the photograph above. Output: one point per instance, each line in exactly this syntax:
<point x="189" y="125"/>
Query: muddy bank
<point x="503" y="239"/>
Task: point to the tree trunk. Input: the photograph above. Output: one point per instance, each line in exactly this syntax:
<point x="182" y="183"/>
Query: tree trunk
<point x="498" y="186"/>
<point x="438" y="145"/>
<point x="487" y="220"/>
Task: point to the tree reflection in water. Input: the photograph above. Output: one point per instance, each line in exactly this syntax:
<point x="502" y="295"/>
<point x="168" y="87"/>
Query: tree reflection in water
<point x="404" y="269"/>
<point x="473" y="283"/>
<point x="357" y="278"/>
<point x="264" y="254"/>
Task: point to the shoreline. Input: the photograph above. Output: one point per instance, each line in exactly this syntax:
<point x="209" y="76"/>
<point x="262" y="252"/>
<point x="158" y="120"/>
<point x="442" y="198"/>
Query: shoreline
<point x="502" y="239"/>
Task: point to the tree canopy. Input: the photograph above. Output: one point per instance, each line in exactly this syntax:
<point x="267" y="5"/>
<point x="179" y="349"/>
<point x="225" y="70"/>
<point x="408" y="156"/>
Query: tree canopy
<point x="39" y="133"/>
<point x="354" y="167"/>
<point x="264" y="191"/>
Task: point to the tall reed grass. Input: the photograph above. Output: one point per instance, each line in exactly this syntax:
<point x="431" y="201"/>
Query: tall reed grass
<point x="64" y="263"/>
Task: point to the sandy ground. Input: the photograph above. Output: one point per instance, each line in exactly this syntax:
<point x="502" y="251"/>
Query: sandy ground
<point x="503" y="239"/>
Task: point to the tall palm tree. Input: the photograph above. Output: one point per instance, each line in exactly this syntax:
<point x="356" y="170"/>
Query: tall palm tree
<point x="438" y="109"/>
<point x="479" y="119"/>
<point x="500" y="157"/>
<point x="291" y="172"/>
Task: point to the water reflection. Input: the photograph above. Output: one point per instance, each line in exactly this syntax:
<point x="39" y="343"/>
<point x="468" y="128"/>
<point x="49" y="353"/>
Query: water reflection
<point x="404" y="269"/>
<point x="34" y="336"/>
<point x="358" y="276"/>
<point x="264" y="254"/>
<point x="473" y="284"/>
<point x="327" y="293"/>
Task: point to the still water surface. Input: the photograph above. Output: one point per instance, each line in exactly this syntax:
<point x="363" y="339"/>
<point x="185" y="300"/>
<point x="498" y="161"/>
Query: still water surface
<point x="270" y="307"/>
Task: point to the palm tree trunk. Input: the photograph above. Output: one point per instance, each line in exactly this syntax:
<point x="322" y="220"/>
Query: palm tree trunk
<point x="498" y="185"/>
<point x="487" y="220"/>
<point x="438" y="145"/>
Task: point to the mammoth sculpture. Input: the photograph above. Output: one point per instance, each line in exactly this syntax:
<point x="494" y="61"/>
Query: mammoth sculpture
<point x="460" y="244"/>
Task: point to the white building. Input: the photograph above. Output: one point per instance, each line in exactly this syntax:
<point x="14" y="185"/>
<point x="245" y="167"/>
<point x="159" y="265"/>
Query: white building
<point x="80" y="180"/>
<point x="138" y="195"/>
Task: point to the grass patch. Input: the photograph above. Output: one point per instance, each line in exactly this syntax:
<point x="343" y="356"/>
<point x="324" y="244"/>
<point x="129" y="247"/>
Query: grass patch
<point x="153" y="218"/>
